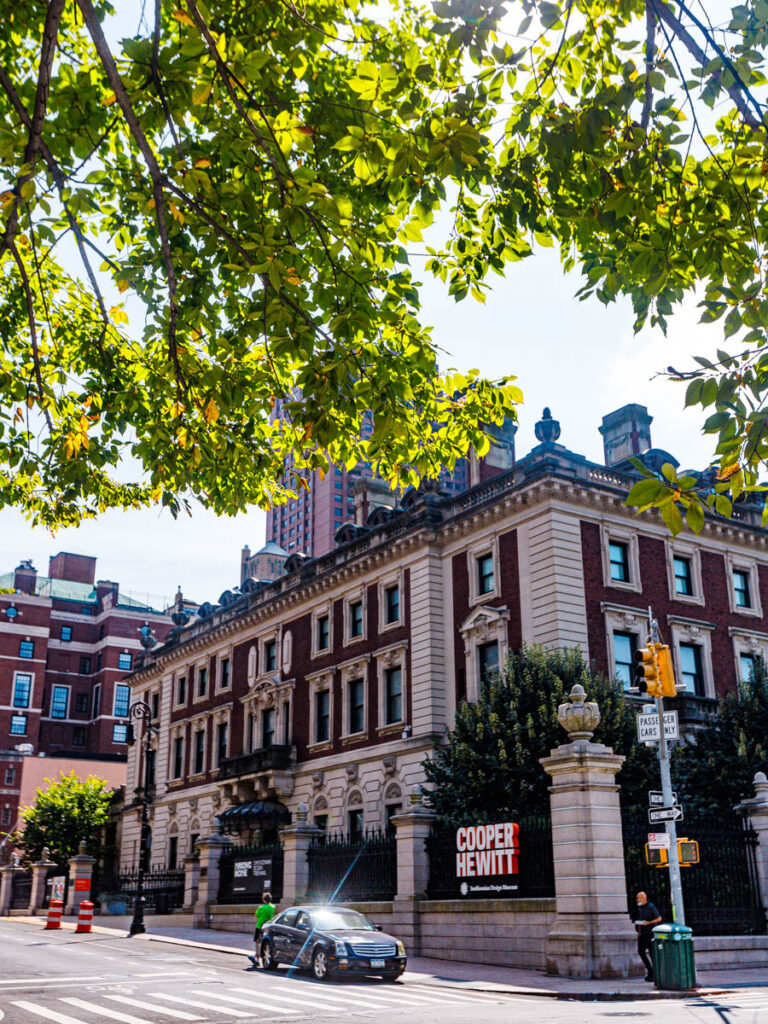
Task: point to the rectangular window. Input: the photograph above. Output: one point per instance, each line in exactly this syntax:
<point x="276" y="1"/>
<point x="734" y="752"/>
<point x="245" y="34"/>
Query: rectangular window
<point x="390" y="811"/>
<point x="66" y="634"/>
<point x="22" y="690"/>
<point x="78" y="736"/>
<point x="393" y="696"/>
<point x="151" y="756"/>
<point x="741" y="593"/>
<point x="268" y="727"/>
<point x="618" y="554"/>
<point x="485" y="574"/>
<point x="119" y="732"/>
<point x="221" y="744"/>
<point x="356" y="618"/>
<point x="224" y="677"/>
<point x="122" y="700"/>
<point x="10" y="776"/>
<point x="356" y="696"/>
<point x="392" y="603"/>
<point x="321" y="821"/>
<point x="322" y="716"/>
<point x="59" y="701"/>
<point x="355" y="823"/>
<point x="85" y="665"/>
<point x="747" y="664"/>
<point x="624" y="647"/>
<point x="286" y="713"/>
<point x="683" y="578"/>
<point x="270" y="655"/>
<point x="99" y="659"/>
<point x="81" y="703"/>
<point x="323" y="632"/>
<point x="488" y="661"/>
<point x="173" y="852"/>
<point x="97" y="700"/>
<point x="155" y="702"/>
<point x="691" y="669"/>
<point x="26" y="649"/>
<point x="202" y="682"/>
<point x="199" y="751"/>
<point x="178" y="757"/>
<point x="125" y="661"/>
<point x="181" y="690"/>
<point x="18" y="725"/>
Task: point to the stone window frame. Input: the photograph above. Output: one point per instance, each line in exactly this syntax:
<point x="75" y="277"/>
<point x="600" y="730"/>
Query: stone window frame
<point x="176" y="731"/>
<point x="747" y="641"/>
<point x="194" y="727"/>
<point x="176" y="703"/>
<point x="203" y="664"/>
<point x="740" y="563"/>
<point x="268" y="636"/>
<point x="621" y="618"/>
<point x="30" y="702"/>
<point x="267" y="694"/>
<point x="354" y="800"/>
<point x="396" y="578"/>
<point x="699" y="633"/>
<point x="317" y="682"/>
<point x="622" y="535"/>
<point x="487" y="546"/>
<point x="222" y="655"/>
<point x="478" y="629"/>
<point x="219" y="715"/>
<point x="394" y="656"/>
<point x="355" y="668"/>
<point x="683" y="549"/>
<point x="317" y="613"/>
<point x="392" y="796"/>
<point x="358" y="594"/>
<point x="320" y="805"/>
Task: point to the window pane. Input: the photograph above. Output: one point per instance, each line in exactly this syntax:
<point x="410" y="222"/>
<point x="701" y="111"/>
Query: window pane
<point x="66" y="633"/>
<point x="624" y="646"/>
<point x="224" y="673"/>
<point x="356" y="706"/>
<point x="618" y="554"/>
<point x="683" y="582"/>
<point x="22" y="689"/>
<point x="356" y="618"/>
<point x="18" y="725"/>
<point x="747" y="666"/>
<point x="26" y="649"/>
<point x="125" y="661"/>
<point x="119" y="732"/>
<point x="488" y="657"/>
<point x="393" y="604"/>
<point x="741" y="589"/>
<point x="270" y="656"/>
<point x="485" y="578"/>
<point x="322" y="716"/>
<point x="690" y="667"/>
<point x="221" y="743"/>
<point x="122" y="701"/>
<point x="393" y="695"/>
<point x="268" y="728"/>
<point x="59" y="702"/>
<point x="199" y="751"/>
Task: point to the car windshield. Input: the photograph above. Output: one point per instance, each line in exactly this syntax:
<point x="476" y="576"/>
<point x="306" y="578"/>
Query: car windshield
<point x="329" y="920"/>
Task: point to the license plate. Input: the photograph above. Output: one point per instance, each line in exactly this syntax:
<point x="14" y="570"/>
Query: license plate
<point x="378" y="963"/>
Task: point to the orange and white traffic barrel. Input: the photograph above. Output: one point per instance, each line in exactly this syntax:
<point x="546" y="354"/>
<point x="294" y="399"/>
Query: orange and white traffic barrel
<point x="55" y="910"/>
<point x="84" y="916"/>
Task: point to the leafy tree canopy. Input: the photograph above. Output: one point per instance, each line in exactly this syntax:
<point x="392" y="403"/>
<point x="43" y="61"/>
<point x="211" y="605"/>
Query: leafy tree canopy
<point x="490" y="766"/>
<point x="69" y="811"/>
<point x="244" y="181"/>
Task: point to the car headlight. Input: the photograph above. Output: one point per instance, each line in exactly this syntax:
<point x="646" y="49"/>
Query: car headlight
<point x="340" y="948"/>
<point x="400" y="949"/>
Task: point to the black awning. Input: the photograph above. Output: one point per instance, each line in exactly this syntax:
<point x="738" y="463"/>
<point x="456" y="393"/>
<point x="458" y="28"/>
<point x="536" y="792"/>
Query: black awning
<point x="257" y="813"/>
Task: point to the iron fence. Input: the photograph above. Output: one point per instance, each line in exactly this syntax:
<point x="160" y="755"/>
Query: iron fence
<point x="358" y="867"/>
<point x="272" y="853"/>
<point x="721" y="893"/>
<point x="536" y="874"/>
<point x="21" y="890"/>
<point x="163" y="888"/>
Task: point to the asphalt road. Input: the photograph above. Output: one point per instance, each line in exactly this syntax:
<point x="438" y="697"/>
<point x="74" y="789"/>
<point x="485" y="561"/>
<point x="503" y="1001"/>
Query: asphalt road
<point x="65" y="978"/>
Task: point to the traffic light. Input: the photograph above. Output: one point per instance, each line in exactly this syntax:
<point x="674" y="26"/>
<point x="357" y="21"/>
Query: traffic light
<point x="656" y="858"/>
<point x="647" y="671"/>
<point x="687" y="852"/>
<point x="666" y="671"/>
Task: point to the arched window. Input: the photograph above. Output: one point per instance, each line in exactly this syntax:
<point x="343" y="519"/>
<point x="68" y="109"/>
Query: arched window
<point x="393" y="804"/>
<point x="355" y="818"/>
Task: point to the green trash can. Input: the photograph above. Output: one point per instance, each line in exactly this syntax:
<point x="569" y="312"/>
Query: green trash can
<point x="673" y="963"/>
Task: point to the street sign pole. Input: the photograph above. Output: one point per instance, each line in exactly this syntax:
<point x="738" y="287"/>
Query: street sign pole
<point x="675" y="879"/>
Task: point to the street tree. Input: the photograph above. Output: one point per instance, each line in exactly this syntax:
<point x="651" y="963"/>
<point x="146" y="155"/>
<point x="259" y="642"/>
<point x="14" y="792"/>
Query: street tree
<point x="207" y="229"/>
<point x="67" y="812"/>
<point x="490" y="767"/>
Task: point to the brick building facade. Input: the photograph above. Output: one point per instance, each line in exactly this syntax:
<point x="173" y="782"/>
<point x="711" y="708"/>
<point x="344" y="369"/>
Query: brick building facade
<point x="66" y="643"/>
<point x="331" y="684"/>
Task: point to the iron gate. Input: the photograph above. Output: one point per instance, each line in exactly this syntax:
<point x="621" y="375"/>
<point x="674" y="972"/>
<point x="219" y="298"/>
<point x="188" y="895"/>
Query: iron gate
<point x="21" y="890"/>
<point x="358" y="867"/>
<point x="721" y="894"/>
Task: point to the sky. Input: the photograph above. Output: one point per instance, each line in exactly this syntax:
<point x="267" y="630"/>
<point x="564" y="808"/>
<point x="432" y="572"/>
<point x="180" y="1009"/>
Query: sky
<point x="579" y="358"/>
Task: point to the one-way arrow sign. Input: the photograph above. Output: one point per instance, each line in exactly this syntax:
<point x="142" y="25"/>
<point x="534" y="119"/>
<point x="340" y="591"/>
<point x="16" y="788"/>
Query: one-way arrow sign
<point x="657" y="814"/>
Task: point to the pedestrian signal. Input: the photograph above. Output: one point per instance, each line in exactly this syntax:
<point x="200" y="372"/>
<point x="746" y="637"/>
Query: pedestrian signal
<point x="656" y="858"/>
<point x="666" y="671"/>
<point x="647" y="671"/>
<point x="687" y="852"/>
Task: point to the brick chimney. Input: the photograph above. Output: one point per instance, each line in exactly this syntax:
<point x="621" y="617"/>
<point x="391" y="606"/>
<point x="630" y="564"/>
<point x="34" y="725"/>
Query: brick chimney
<point x="75" y="568"/>
<point x="626" y="433"/>
<point x="25" y="577"/>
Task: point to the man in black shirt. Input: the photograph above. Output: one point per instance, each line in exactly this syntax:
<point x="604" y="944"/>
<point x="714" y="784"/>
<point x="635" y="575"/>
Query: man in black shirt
<point x="647" y="916"/>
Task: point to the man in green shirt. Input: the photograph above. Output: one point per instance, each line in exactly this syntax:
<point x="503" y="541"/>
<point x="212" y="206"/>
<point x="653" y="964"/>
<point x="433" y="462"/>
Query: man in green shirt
<point x="264" y="913"/>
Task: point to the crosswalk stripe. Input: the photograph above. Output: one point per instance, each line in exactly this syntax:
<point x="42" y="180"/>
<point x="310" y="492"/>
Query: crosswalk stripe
<point x="43" y="1011"/>
<point x="256" y="1002"/>
<point x="127" y="1001"/>
<point x="103" y="1011"/>
<point x="307" y="997"/>
<point x="186" y="1001"/>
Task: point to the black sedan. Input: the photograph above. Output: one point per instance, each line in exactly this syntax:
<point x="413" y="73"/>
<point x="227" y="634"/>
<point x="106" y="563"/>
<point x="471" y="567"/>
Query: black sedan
<point x="330" y="941"/>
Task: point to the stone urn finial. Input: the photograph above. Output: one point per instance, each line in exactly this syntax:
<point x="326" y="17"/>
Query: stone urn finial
<point x="417" y="796"/>
<point x="81" y="848"/>
<point x="760" y="782"/>
<point x="302" y="812"/>
<point x="580" y="718"/>
<point x="46" y="855"/>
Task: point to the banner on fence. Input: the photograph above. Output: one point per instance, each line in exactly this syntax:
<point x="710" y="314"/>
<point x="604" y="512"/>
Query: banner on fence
<point x="57" y="887"/>
<point x="487" y="859"/>
<point x="251" y="875"/>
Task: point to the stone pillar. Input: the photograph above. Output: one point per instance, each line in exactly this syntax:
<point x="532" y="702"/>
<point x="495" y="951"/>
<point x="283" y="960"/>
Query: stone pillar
<point x="413" y="827"/>
<point x="39" y="876"/>
<point x="211" y="849"/>
<point x="6" y="887"/>
<point x="592" y="935"/>
<point x="191" y="880"/>
<point x="80" y="875"/>
<point x="756" y="810"/>
<point x="296" y="840"/>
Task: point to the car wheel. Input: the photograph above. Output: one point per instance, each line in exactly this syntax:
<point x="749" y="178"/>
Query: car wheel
<point x="320" y="968"/>
<point x="268" y="961"/>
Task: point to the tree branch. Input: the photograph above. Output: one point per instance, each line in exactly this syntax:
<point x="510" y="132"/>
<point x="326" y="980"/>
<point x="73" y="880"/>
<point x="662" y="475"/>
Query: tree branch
<point x="32" y="328"/>
<point x="650" y="46"/>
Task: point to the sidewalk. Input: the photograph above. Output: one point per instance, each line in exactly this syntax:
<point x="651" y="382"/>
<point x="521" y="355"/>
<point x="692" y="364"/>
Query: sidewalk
<point x="453" y="973"/>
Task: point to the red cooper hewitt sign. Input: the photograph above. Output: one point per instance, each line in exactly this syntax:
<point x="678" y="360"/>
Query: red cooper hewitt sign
<point x="485" y="851"/>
